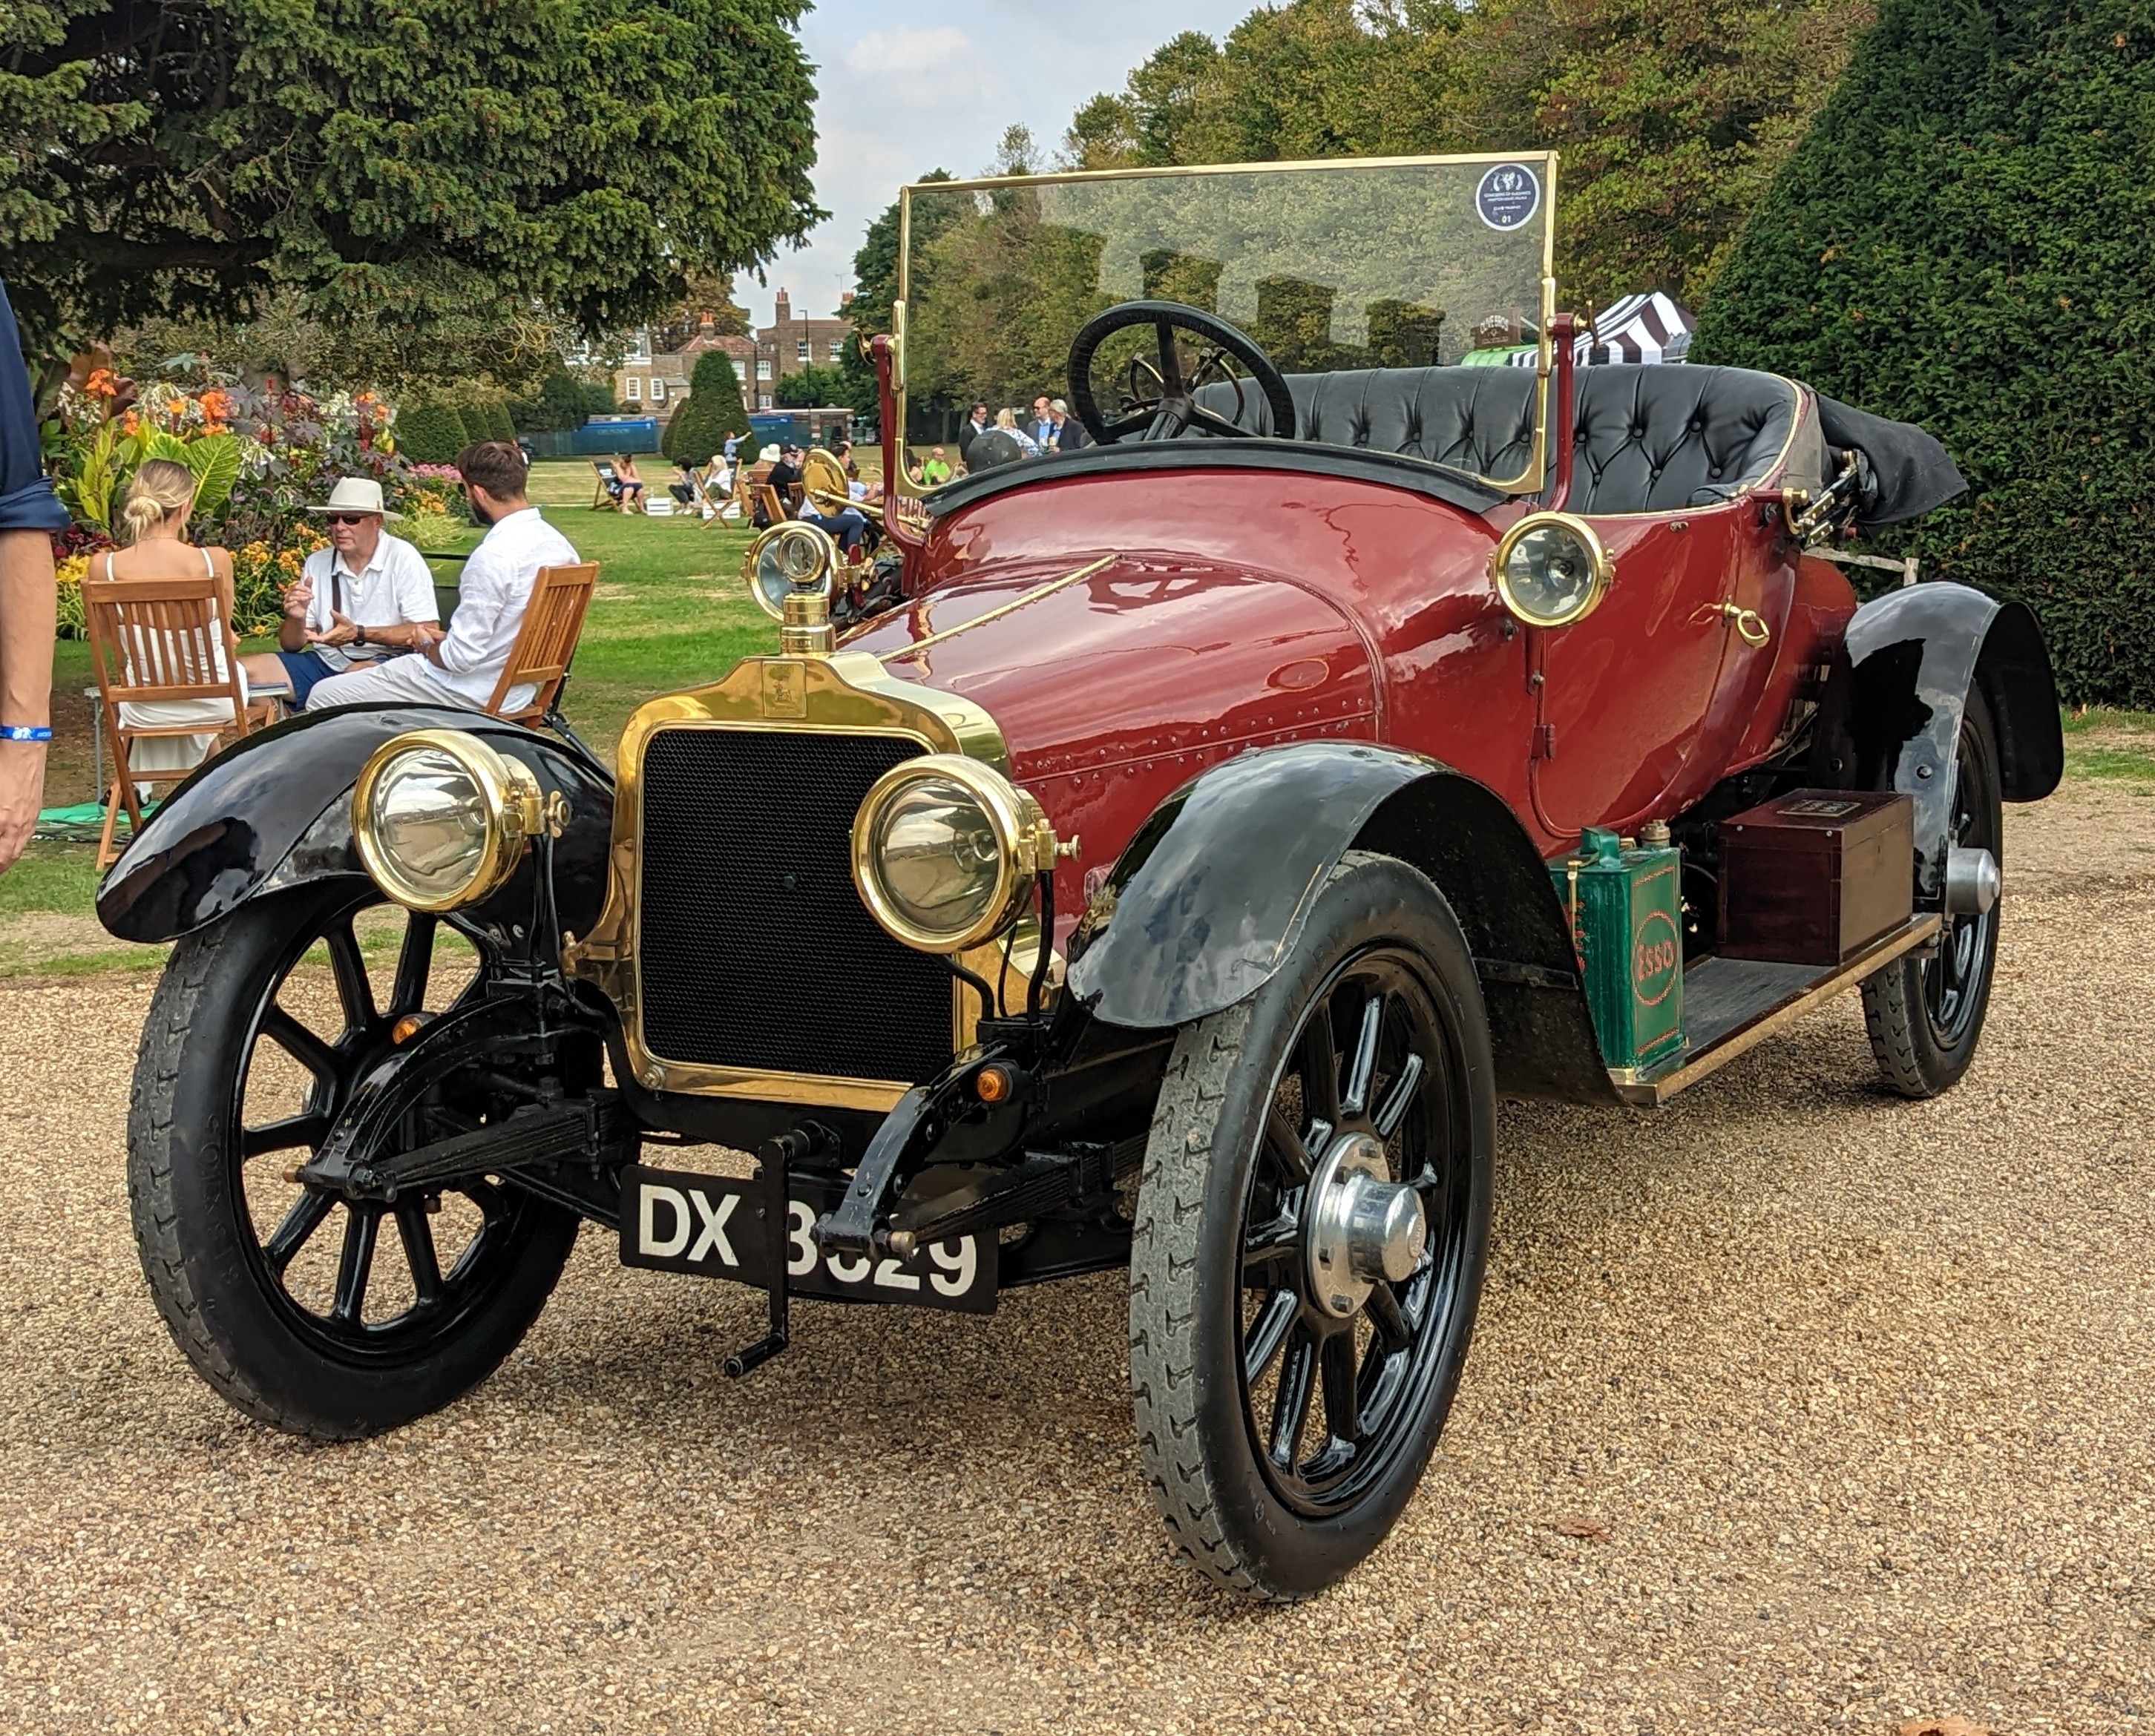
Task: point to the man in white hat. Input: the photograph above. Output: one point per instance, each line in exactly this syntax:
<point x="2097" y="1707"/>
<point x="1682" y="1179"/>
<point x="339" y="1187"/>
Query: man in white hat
<point x="464" y="667"/>
<point x="361" y="598"/>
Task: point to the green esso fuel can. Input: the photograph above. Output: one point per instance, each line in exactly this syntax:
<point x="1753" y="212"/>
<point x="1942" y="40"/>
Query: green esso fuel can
<point x="1625" y="906"/>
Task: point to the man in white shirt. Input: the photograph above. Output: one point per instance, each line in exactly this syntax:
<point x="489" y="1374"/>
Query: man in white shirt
<point x="358" y="601"/>
<point x="464" y="667"/>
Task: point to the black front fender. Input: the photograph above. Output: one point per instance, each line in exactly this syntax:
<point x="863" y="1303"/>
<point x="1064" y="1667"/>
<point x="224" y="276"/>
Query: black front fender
<point x="1208" y="899"/>
<point x="275" y="811"/>
<point x="1913" y="655"/>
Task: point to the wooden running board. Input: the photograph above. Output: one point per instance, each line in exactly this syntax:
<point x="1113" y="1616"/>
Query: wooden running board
<point x="1731" y="1004"/>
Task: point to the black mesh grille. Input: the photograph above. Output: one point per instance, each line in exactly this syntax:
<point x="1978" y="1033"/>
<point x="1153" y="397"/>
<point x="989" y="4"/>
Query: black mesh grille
<point x="756" y="950"/>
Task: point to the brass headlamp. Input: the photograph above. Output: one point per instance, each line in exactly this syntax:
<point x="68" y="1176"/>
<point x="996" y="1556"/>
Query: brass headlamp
<point x="1552" y="570"/>
<point x="441" y="819"/>
<point x="946" y="851"/>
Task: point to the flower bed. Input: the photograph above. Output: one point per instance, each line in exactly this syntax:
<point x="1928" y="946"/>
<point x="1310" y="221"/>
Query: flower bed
<point x="259" y="459"/>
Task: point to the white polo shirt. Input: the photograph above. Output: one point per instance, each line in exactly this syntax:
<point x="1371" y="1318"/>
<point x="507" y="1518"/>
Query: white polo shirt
<point x="394" y="587"/>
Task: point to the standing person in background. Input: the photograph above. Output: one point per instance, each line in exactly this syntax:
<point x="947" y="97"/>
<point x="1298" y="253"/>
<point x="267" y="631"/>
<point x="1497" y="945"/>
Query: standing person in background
<point x="1042" y="427"/>
<point x="462" y="667"/>
<point x="733" y="448"/>
<point x="1069" y="431"/>
<point x="30" y="513"/>
<point x="976" y="424"/>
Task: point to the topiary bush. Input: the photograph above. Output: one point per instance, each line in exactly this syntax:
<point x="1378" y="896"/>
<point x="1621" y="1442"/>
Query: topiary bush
<point x="1961" y="240"/>
<point x="714" y="411"/>
<point x="431" y="431"/>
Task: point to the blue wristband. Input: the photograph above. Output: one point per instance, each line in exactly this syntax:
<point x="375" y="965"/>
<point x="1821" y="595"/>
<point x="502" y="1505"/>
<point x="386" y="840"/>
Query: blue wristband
<point x="26" y="732"/>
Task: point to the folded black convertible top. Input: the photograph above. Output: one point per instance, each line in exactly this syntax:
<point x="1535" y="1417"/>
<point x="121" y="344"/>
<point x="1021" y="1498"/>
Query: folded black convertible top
<point x="1912" y="472"/>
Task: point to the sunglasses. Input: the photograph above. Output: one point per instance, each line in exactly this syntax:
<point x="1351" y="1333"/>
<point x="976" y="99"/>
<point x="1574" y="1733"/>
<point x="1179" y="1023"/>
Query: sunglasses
<point x="349" y="517"/>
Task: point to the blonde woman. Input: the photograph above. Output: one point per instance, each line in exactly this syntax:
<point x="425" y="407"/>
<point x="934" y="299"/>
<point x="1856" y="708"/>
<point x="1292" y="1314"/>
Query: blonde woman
<point x="1006" y="419"/>
<point x="154" y="520"/>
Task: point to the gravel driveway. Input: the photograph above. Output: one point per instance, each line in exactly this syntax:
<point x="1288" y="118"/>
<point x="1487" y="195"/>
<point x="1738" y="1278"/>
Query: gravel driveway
<point x="1793" y="1408"/>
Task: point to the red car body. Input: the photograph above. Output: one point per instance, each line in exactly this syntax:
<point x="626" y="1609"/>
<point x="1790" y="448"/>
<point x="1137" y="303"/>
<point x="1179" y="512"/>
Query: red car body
<point x="1370" y="616"/>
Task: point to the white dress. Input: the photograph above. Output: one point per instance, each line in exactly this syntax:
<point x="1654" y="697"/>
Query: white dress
<point x="168" y="754"/>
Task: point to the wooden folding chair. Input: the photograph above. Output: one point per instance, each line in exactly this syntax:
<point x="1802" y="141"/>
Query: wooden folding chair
<point x="601" y="486"/>
<point x="546" y="641"/>
<point x="151" y="641"/>
<point x="774" y="508"/>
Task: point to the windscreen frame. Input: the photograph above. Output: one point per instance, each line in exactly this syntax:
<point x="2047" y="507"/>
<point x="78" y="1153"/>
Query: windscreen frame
<point x="1530" y="480"/>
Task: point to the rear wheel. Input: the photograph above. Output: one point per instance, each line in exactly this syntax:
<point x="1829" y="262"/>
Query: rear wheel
<point x="1925" y="1014"/>
<point x="323" y="1317"/>
<point x="1310" y="1234"/>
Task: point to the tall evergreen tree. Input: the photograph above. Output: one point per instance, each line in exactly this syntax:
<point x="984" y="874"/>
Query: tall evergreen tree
<point x="1962" y="241"/>
<point x="714" y="411"/>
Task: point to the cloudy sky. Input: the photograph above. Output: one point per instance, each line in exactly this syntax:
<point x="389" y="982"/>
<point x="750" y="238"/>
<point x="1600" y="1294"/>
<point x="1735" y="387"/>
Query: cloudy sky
<point x="904" y="88"/>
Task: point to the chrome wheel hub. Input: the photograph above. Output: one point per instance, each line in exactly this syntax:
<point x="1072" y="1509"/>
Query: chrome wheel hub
<point x="1359" y="1226"/>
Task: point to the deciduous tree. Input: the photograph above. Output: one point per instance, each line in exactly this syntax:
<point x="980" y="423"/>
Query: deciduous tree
<point x="403" y="163"/>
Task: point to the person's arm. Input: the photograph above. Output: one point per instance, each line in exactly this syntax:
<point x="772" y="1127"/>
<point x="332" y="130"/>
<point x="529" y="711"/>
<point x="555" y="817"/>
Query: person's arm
<point x="27" y="596"/>
<point x="480" y="601"/>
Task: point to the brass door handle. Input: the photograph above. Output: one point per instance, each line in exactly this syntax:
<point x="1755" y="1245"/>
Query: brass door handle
<point x="1750" y="626"/>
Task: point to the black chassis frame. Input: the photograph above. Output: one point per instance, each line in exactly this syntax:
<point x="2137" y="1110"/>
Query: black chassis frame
<point x="1045" y="1156"/>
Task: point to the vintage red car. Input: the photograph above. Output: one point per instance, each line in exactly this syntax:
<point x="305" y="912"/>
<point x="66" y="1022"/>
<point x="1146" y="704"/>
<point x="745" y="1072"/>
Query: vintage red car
<point x="1392" y="708"/>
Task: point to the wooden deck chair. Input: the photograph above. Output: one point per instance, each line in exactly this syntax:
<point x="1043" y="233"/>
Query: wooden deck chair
<point x="738" y="507"/>
<point x="547" y="641"/>
<point x="774" y="508"/>
<point x="602" y="485"/>
<point x="153" y="640"/>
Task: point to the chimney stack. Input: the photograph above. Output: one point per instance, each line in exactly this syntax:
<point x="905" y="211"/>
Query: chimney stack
<point x="782" y="308"/>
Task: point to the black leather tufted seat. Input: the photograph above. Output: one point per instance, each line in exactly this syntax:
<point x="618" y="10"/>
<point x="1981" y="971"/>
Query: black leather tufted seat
<point x="1646" y="439"/>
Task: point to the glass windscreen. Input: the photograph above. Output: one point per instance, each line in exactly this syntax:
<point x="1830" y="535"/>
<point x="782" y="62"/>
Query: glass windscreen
<point x="1327" y="266"/>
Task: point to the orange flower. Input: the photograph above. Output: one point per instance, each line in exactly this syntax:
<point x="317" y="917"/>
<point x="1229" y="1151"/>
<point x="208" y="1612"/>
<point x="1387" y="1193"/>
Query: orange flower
<point x="130" y="423"/>
<point x="101" y="384"/>
<point x="216" y="404"/>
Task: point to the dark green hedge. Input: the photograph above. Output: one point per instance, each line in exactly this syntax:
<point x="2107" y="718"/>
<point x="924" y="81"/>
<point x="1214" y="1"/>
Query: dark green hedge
<point x="1966" y="239"/>
<point x="431" y="432"/>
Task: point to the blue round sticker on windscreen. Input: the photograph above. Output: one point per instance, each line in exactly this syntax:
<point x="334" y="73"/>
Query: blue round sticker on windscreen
<point x="1508" y="196"/>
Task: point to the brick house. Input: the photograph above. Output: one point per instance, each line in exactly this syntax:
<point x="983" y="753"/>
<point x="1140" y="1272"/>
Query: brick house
<point x="656" y="382"/>
<point x="789" y="344"/>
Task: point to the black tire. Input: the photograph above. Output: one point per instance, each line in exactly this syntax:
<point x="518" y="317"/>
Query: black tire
<point x="1924" y="1014"/>
<point x="193" y="1161"/>
<point x="1217" y="1205"/>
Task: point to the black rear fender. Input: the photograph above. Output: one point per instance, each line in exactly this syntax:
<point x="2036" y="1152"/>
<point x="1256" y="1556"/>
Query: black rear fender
<point x="1891" y="714"/>
<point x="275" y="811"/>
<point x="1211" y="897"/>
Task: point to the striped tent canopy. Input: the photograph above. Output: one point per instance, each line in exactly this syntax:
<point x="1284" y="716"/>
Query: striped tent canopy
<point x="1648" y="327"/>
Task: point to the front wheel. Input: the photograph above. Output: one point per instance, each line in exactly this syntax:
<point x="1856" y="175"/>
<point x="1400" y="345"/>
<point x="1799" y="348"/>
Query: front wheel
<point x="326" y="1318"/>
<point x="1311" y="1228"/>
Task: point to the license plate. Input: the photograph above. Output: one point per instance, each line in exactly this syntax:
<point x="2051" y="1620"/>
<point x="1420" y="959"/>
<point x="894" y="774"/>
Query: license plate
<point x="676" y="1221"/>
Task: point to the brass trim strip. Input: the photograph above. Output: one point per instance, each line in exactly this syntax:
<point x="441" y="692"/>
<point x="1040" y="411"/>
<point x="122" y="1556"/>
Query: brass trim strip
<point x="1001" y="609"/>
<point x="1283" y="166"/>
<point x="1643" y="1088"/>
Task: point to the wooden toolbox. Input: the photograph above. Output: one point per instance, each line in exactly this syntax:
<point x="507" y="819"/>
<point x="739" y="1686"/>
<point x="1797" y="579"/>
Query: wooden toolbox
<point x="1813" y="877"/>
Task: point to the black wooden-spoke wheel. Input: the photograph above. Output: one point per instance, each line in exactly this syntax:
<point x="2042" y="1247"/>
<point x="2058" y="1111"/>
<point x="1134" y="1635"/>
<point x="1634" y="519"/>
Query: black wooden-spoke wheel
<point x="1158" y="394"/>
<point x="324" y="1315"/>
<point x="1332" y="1397"/>
<point x="1924" y="1012"/>
<point x="1310" y="1238"/>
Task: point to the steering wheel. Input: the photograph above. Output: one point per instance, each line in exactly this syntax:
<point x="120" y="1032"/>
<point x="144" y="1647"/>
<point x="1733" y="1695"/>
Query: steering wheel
<point x="1159" y="401"/>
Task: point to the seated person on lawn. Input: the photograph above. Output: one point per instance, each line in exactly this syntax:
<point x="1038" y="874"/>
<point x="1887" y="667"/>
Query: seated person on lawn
<point x="462" y="667"/>
<point x="364" y="597"/>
